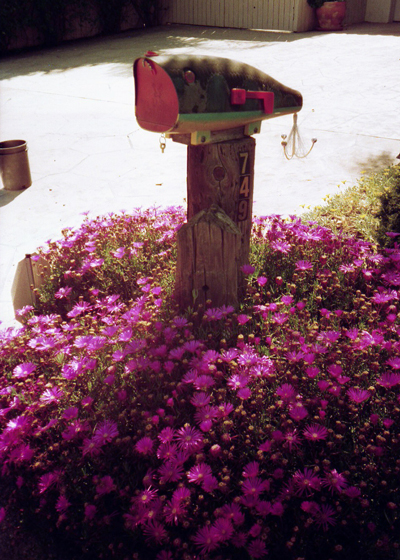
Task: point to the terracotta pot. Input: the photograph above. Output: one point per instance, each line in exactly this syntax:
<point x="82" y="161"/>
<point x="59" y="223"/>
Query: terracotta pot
<point x="330" y="16"/>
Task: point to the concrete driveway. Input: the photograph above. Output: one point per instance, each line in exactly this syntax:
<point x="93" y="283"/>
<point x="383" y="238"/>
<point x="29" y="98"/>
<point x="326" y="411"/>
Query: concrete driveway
<point x="74" y="105"/>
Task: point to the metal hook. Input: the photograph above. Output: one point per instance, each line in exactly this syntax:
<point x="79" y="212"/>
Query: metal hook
<point x="162" y="143"/>
<point x="293" y="145"/>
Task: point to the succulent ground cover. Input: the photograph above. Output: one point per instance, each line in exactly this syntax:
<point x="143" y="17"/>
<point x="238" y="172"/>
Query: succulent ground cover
<point x="133" y="430"/>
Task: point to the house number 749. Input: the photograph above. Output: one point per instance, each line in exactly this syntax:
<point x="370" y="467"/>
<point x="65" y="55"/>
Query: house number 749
<point x="244" y="187"/>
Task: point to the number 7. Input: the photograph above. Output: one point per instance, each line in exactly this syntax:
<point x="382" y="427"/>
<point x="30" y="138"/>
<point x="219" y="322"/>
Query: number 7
<point x="245" y="156"/>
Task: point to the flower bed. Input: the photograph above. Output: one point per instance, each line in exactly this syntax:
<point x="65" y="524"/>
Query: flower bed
<point x="134" y="431"/>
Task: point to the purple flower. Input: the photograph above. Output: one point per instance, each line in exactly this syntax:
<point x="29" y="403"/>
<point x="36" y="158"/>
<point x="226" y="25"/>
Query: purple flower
<point x="105" y="432"/>
<point x="334" y="481"/>
<point x="298" y="412"/>
<point x="78" y="309"/>
<point x="47" y="480"/>
<point x="247" y="269"/>
<point x="23" y="370"/>
<point x="207" y="539"/>
<point x="105" y="485"/>
<point x="324" y="516"/>
<point x="257" y="548"/>
<point x="224" y="528"/>
<point x="52" y="395"/>
<point x="170" y="471"/>
<point x="358" y="395"/>
<point x="90" y="511"/>
<point x="62" y="504"/>
<point x="63" y="293"/>
<point x="253" y="486"/>
<point x="303" y="265"/>
<point x="119" y="253"/>
<point x="306" y="482"/>
<point x="286" y="392"/>
<point x="144" y="446"/>
<point x="243" y="319"/>
<point x="199" y="473"/>
<point x="315" y="432"/>
<point x="189" y="438"/>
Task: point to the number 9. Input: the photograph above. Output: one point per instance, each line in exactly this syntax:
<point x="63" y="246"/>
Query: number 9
<point x="243" y="209"/>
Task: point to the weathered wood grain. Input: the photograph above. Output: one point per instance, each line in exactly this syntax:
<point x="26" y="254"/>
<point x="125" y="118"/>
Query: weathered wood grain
<point x="209" y="247"/>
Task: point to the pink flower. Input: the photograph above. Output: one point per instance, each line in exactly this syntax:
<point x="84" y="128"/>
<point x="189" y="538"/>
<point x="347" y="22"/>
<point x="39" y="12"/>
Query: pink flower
<point x="334" y="481"/>
<point x="203" y="382"/>
<point x="358" y="395"/>
<point x="166" y="435"/>
<point x="262" y="280"/>
<point x="315" y="432"/>
<point x="303" y="265"/>
<point x="247" y="269"/>
<point x="52" y="395"/>
<point x="105" y="432"/>
<point x="324" y="516"/>
<point x="189" y="438"/>
<point x="174" y="512"/>
<point x="312" y="372"/>
<point x="244" y="393"/>
<point x="233" y="512"/>
<point x="298" y="411"/>
<point x="119" y="253"/>
<point x="90" y="511"/>
<point x="200" y="399"/>
<point x="224" y="528"/>
<point x="306" y="482"/>
<point x="23" y="370"/>
<point x="257" y="548"/>
<point x="2" y="514"/>
<point x="253" y="486"/>
<point x="286" y="392"/>
<point x="251" y="469"/>
<point x="62" y="504"/>
<point x="389" y="379"/>
<point x="155" y="532"/>
<point x="207" y="539"/>
<point x="144" y="446"/>
<point x="170" y="471"/>
<point x="105" y="485"/>
<point x="199" y="473"/>
<point x="394" y="363"/>
<point x="70" y="413"/>
<point x="47" y="480"/>
<point x="292" y="439"/>
<point x="243" y="319"/>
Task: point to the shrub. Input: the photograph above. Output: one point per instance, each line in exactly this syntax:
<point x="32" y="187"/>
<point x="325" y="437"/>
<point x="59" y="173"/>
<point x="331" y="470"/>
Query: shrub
<point x="135" y="431"/>
<point x="389" y="212"/>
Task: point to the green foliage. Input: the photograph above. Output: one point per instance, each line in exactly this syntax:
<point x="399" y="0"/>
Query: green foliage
<point x="389" y="212"/>
<point x="358" y="210"/>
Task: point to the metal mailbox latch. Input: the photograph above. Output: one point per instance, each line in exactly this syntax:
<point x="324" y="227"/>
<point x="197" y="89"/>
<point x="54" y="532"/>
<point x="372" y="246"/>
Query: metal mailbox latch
<point x="239" y="96"/>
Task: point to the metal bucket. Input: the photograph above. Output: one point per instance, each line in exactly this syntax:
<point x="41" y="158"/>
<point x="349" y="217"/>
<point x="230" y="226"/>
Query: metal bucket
<point x="14" y="165"/>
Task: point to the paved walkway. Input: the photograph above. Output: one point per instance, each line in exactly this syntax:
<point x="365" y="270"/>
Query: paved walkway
<point x="74" y="106"/>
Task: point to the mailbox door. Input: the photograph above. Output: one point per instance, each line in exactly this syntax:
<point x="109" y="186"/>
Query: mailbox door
<point x="157" y="106"/>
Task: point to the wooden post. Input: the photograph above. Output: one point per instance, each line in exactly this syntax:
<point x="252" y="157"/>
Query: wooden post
<point x="223" y="173"/>
<point x="214" y="244"/>
<point x="209" y="248"/>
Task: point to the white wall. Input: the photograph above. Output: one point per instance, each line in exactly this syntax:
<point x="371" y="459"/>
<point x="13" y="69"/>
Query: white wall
<point x="380" y="11"/>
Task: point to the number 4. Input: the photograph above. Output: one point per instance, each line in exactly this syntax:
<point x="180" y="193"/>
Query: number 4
<point x="244" y="190"/>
